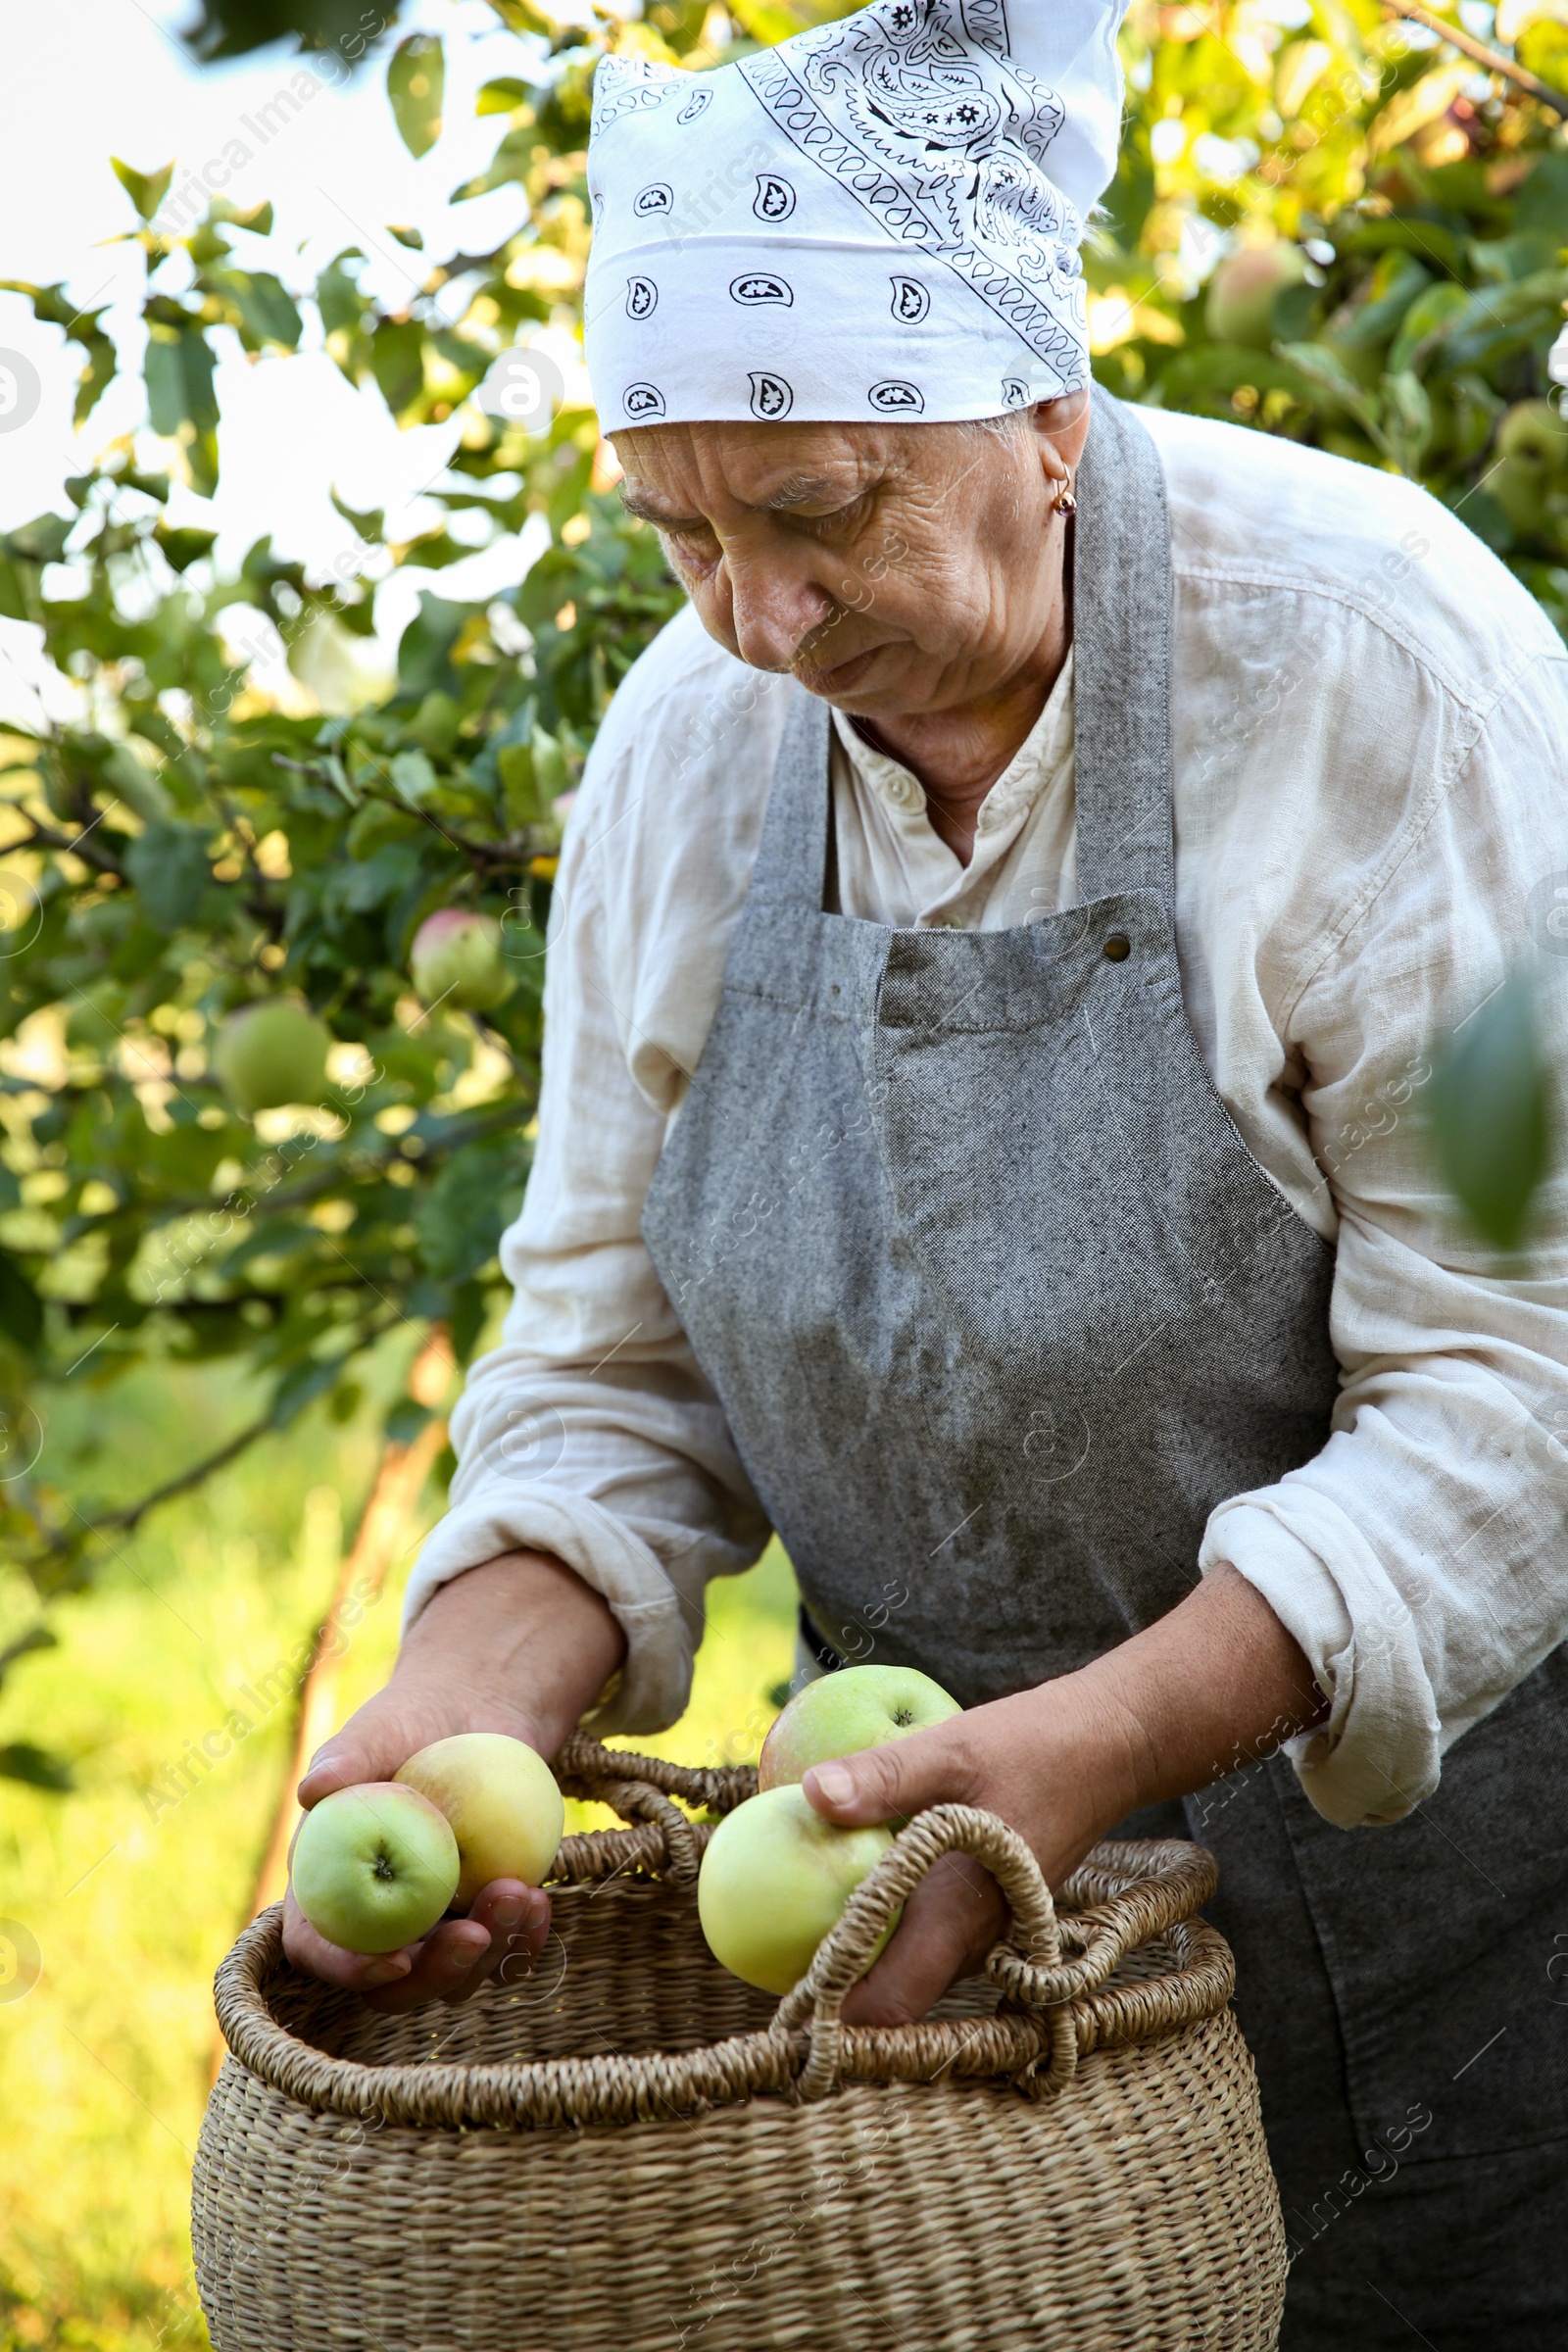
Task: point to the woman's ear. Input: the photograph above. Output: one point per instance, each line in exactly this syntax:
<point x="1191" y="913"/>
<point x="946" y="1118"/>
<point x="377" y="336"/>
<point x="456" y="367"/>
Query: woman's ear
<point x="1060" y="429"/>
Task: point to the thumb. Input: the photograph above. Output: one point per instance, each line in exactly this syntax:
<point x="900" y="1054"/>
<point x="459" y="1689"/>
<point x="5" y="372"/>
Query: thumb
<point x="370" y="1747"/>
<point x="341" y="1764"/>
<point x="933" y="1767"/>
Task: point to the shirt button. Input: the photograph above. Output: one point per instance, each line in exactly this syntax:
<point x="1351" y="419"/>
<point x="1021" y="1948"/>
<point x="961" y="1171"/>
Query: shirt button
<point x="1118" y="946"/>
<point x="904" y="791"/>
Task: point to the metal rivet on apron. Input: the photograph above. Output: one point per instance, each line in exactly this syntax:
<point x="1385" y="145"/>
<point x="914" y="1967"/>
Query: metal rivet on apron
<point x="1118" y="946"/>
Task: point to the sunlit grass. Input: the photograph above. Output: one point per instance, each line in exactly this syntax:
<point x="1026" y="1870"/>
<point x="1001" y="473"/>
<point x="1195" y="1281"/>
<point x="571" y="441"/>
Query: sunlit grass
<point x="133" y="1899"/>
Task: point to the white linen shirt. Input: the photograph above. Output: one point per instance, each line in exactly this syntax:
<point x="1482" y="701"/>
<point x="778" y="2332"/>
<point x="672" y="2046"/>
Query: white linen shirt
<point x="1370" y="718"/>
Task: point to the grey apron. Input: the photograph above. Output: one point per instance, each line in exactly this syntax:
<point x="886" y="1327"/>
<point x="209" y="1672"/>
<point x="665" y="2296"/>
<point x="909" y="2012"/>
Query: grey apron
<point x="999" y="1307"/>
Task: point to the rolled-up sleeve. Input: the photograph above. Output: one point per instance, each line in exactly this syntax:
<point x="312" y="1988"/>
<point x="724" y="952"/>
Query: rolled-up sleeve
<point x="1421" y="1559"/>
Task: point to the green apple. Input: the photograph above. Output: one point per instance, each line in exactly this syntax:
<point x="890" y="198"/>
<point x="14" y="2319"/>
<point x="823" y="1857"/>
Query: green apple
<point x="774" y="1879"/>
<point x="502" y="1802"/>
<point x="271" y="1052"/>
<point x="374" y="1867"/>
<point x="456" y="960"/>
<point x="1244" y="289"/>
<point x="1533" y="433"/>
<point x="858" y="1707"/>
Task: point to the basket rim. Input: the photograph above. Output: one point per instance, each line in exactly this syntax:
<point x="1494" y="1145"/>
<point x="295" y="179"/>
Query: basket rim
<point x="1129" y="1895"/>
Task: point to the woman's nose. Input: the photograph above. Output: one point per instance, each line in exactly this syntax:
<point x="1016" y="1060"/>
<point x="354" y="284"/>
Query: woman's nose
<point x="772" y="612"/>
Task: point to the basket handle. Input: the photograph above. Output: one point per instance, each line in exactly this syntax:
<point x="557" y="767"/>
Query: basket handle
<point x="640" y="1789"/>
<point x="845" y="1951"/>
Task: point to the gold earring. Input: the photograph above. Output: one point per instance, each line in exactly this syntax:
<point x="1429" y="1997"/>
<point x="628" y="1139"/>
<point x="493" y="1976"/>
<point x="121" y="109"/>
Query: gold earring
<point x="1065" y="503"/>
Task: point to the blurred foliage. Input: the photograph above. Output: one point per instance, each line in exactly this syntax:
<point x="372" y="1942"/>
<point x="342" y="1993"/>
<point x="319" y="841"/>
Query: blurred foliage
<point x="1329" y="225"/>
<point x="1326" y="225"/>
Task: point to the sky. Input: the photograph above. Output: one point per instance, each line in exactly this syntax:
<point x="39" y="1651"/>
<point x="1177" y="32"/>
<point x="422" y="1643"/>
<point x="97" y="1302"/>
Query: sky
<point x="91" y="78"/>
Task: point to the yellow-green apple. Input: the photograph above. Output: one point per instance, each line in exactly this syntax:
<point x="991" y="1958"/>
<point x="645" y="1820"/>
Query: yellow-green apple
<point x="858" y="1707"/>
<point x="374" y="1867"/>
<point x="774" y="1879"/>
<point x="502" y="1802"/>
<point x="271" y="1052"/>
<point x="1245" y="288"/>
<point x="456" y="960"/>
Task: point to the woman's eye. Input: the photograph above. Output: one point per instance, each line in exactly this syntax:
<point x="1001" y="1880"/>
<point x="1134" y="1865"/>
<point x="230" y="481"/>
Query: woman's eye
<point x="694" y="546"/>
<point x="843" y="523"/>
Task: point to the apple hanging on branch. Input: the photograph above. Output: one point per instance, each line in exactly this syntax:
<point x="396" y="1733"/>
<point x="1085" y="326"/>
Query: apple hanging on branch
<point x="270" y="1053"/>
<point x="458" y="959"/>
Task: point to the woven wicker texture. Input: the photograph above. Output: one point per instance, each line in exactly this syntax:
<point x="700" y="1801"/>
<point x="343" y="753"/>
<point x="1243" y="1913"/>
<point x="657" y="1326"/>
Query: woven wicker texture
<point x="625" y="2147"/>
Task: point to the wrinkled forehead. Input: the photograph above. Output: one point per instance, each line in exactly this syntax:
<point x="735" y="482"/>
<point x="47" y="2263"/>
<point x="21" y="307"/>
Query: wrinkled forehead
<point x="697" y="468"/>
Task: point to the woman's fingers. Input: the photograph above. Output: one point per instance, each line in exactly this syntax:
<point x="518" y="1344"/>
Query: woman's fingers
<point x="508" y="1921"/>
<point x="949" y="1924"/>
<point x="933" y="1767"/>
<point x="361" y="1972"/>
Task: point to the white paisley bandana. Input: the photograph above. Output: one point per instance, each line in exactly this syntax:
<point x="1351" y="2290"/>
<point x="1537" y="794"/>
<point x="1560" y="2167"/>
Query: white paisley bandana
<point x="879" y="218"/>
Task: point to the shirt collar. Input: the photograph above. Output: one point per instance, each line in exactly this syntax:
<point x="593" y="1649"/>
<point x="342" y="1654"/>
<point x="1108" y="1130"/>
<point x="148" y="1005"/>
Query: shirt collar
<point x="1033" y="767"/>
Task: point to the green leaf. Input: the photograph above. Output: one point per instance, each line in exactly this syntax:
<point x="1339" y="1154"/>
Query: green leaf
<point x="1327" y="377"/>
<point x="20" y="1760"/>
<point x="36" y="1637"/>
<point x="413" y="239"/>
<point x="55" y="308"/>
<point x="20" y="1307"/>
<point x="519" y="784"/>
<point x="416" y="83"/>
<point x="181" y="549"/>
<point x="337" y="295"/>
<point x="502" y="96"/>
<point x="259" y="220"/>
<point x="397" y="360"/>
<point x="512" y="162"/>
<point x="169" y="865"/>
<point x="258" y="307"/>
<point x="116" y="768"/>
<point x="369" y="521"/>
<point x="146" y="189"/>
<point x="1493" y="1112"/>
<point x="424" y="649"/>
<point x="467" y="1208"/>
<point x="178" y="368"/>
<point x="42" y="540"/>
<point x="413" y="779"/>
<point x="1406" y="419"/>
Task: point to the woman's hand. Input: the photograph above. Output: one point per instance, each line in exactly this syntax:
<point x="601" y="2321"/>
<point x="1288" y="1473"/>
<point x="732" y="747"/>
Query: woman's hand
<point x="1168" y="1712"/>
<point x="519" y="1645"/>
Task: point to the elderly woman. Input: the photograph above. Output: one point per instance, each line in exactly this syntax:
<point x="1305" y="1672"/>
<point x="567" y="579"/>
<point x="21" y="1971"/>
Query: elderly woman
<point x="1002" y="928"/>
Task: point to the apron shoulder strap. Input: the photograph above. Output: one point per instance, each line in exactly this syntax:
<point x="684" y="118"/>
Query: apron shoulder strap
<point x="1122" y="626"/>
<point x="792" y="857"/>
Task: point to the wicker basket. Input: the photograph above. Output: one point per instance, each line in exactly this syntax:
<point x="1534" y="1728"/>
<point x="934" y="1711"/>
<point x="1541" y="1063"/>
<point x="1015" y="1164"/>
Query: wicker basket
<point x="628" y="2150"/>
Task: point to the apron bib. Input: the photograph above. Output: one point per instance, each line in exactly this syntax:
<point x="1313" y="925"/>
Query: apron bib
<point x="999" y="1307"/>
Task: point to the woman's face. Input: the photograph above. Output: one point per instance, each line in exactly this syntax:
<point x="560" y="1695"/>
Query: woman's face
<point x="894" y="569"/>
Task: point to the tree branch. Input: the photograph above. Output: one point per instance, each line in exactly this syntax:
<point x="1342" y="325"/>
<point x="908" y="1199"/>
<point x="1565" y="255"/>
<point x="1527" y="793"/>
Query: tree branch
<point x="128" y="1520"/>
<point x="1492" y="59"/>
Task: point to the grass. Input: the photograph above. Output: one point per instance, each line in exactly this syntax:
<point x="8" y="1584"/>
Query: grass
<point x="104" y="2062"/>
